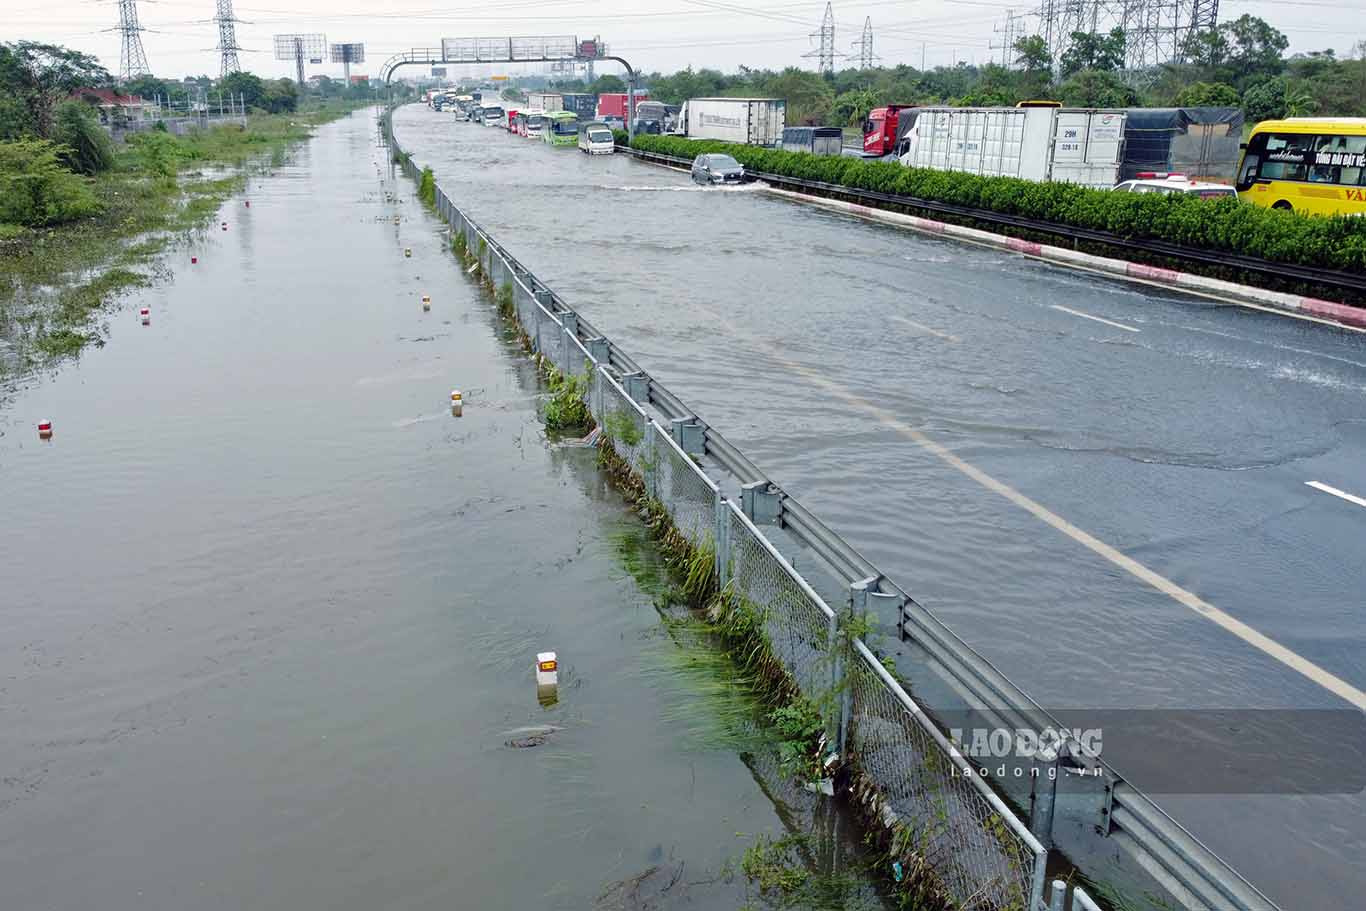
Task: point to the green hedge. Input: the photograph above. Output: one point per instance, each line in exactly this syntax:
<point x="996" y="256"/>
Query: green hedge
<point x="1337" y="242"/>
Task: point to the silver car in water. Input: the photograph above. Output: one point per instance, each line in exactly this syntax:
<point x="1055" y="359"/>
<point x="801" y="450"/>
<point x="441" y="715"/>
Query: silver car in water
<point x="717" y="169"/>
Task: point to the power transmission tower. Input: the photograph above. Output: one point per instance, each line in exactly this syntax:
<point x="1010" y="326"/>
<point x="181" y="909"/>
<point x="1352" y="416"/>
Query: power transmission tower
<point x="864" y="46"/>
<point x="826" y="51"/>
<point x="1013" y="31"/>
<point x="1155" y="31"/>
<point x="132" y="58"/>
<point x="227" y="38"/>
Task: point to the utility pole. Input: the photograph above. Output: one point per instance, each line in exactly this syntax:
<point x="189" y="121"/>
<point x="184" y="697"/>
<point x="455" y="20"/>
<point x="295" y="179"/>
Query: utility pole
<point x="227" y="39"/>
<point x="132" y="58"/>
<point x="864" y="46"/>
<point x="826" y="52"/>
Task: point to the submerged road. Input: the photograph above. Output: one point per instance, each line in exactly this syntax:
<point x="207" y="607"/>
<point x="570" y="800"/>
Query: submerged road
<point x="270" y="612"/>
<point x="1122" y="496"/>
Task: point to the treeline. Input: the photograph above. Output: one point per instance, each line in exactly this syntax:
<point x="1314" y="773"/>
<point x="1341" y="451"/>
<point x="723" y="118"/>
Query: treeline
<point x="1241" y="63"/>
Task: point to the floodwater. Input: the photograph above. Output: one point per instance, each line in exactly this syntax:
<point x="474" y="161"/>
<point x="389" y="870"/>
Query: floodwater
<point x="270" y="611"/>
<point x="1183" y="437"/>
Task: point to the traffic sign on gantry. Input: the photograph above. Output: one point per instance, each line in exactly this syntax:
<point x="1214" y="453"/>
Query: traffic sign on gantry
<point x="508" y="50"/>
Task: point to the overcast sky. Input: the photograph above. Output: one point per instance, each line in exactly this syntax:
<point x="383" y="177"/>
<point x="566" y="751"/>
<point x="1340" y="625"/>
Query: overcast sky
<point x="653" y="34"/>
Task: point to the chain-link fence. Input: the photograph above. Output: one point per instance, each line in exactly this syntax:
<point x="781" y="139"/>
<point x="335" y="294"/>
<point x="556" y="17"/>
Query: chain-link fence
<point x="798" y="624"/>
<point x="627" y="427"/>
<point x="688" y="494"/>
<point x="977" y="850"/>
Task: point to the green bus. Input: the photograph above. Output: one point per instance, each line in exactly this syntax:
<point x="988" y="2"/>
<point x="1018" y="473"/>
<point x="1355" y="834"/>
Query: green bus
<point x="561" y="128"/>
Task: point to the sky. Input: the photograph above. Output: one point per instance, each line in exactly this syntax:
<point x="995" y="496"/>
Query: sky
<point x="663" y="35"/>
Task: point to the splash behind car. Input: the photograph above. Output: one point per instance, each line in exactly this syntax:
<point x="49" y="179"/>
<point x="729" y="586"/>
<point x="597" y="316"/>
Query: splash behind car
<point x="714" y="168"/>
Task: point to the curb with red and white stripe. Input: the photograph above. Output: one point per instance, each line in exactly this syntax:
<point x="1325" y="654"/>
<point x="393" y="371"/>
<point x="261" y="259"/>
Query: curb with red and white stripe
<point x="1312" y="307"/>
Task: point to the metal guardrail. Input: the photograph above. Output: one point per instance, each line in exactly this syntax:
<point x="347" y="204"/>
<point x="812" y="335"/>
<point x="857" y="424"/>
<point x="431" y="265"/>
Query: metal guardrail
<point x="980" y="848"/>
<point x="1291" y="273"/>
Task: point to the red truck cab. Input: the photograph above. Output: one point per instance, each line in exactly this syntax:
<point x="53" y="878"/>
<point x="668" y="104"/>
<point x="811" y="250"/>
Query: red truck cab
<point x="880" y="130"/>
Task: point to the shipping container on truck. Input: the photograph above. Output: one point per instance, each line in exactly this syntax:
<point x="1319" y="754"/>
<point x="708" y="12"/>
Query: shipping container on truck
<point x="584" y="106"/>
<point x="1083" y="146"/>
<point x="613" y="104"/>
<point x="882" y="130"/>
<point x="752" y="121"/>
<point x="813" y="140"/>
<point x="544" y="101"/>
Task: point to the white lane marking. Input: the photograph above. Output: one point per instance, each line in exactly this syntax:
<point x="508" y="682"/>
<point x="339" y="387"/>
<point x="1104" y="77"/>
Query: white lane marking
<point x="1189" y="599"/>
<point x="1096" y="318"/>
<point x="923" y="328"/>
<point x="1319" y="485"/>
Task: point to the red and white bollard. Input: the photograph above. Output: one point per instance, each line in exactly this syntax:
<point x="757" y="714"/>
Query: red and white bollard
<point x="193" y="260"/>
<point x="457" y="403"/>
<point x="225" y="226"/>
<point x="146" y="314"/>
<point x="44" y="430"/>
<point x="248" y="203"/>
<point x="426" y="302"/>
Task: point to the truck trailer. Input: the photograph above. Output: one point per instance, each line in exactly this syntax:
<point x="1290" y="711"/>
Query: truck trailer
<point x="544" y="101"/>
<point x="1083" y="146"/>
<point x="583" y="105"/>
<point x="752" y="121"/>
<point x="613" y="104"/>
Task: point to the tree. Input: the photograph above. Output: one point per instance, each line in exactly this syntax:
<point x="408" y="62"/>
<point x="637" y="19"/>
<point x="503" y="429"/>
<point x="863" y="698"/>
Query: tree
<point x="851" y="108"/>
<point x="150" y="87"/>
<point x="280" y="95"/>
<point x="1031" y="54"/>
<point x="1255" y="48"/>
<point x="1091" y="51"/>
<point x="1097" y="89"/>
<point x="87" y="148"/>
<point x="38" y="76"/>
<point x="809" y="97"/>
<point x="1265" y="100"/>
<point x="1208" y="94"/>
<point x="607" y="83"/>
<point x="250" y="86"/>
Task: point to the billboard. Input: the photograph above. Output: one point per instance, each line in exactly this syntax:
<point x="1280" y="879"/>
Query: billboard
<point x="309" y="46"/>
<point x="347" y="53"/>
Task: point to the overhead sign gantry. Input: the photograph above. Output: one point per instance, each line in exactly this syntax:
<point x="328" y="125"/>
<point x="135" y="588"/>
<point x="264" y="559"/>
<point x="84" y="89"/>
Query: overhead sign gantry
<point x="543" y="49"/>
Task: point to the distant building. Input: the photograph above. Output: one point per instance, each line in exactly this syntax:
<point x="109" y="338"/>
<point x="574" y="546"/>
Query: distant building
<point x="113" y="106"/>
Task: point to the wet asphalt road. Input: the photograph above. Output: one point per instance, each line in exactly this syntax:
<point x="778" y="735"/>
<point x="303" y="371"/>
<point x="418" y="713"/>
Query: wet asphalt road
<point x="1178" y="431"/>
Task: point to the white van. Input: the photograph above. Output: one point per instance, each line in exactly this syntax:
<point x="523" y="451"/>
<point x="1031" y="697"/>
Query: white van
<point x="596" y="139"/>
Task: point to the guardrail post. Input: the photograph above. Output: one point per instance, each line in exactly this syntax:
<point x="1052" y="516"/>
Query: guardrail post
<point x="599" y="349"/>
<point x="722" y="541"/>
<point x="688" y="434"/>
<point x="637" y="386"/>
<point x="1043" y="793"/>
<point x="761" y="503"/>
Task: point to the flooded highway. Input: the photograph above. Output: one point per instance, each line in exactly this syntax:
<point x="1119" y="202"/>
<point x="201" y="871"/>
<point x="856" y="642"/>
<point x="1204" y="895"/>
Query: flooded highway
<point x="1178" y="434"/>
<point x="270" y="611"/>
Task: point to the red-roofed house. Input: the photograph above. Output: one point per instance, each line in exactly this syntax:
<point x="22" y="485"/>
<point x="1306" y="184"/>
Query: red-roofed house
<point x="111" y="104"/>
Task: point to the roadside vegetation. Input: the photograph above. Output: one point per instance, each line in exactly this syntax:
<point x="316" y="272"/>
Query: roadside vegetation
<point x="83" y="218"/>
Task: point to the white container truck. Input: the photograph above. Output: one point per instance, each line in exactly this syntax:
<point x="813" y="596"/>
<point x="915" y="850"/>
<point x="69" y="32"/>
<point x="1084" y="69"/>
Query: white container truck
<point x="752" y="121"/>
<point x="545" y="102"/>
<point x="1070" y="145"/>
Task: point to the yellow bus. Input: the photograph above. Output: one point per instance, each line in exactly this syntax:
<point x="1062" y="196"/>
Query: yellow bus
<point x="1315" y="165"/>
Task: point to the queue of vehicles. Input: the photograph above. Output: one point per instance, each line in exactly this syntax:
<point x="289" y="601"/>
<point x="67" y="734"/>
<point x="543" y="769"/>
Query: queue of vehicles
<point x="1306" y="164"/>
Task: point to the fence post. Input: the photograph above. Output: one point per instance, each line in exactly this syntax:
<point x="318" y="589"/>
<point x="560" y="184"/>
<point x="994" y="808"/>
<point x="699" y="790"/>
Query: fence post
<point x="722" y="542"/>
<point x="1058" y="896"/>
<point x="838" y="724"/>
<point x="650" y="462"/>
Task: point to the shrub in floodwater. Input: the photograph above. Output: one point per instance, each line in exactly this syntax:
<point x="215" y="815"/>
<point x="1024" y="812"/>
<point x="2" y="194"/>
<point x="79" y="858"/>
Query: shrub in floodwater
<point x="36" y="189"/>
<point x="504" y="298"/>
<point x="461" y="246"/>
<point x="567" y="412"/>
<point x="426" y="188"/>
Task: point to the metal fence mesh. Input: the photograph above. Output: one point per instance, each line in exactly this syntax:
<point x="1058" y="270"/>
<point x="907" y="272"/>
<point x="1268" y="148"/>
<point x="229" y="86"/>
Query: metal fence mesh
<point x="688" y="495"/>
<point x="981" y="861"/>
<point x="624" y="423"/>
<point x="796" y="624"/>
